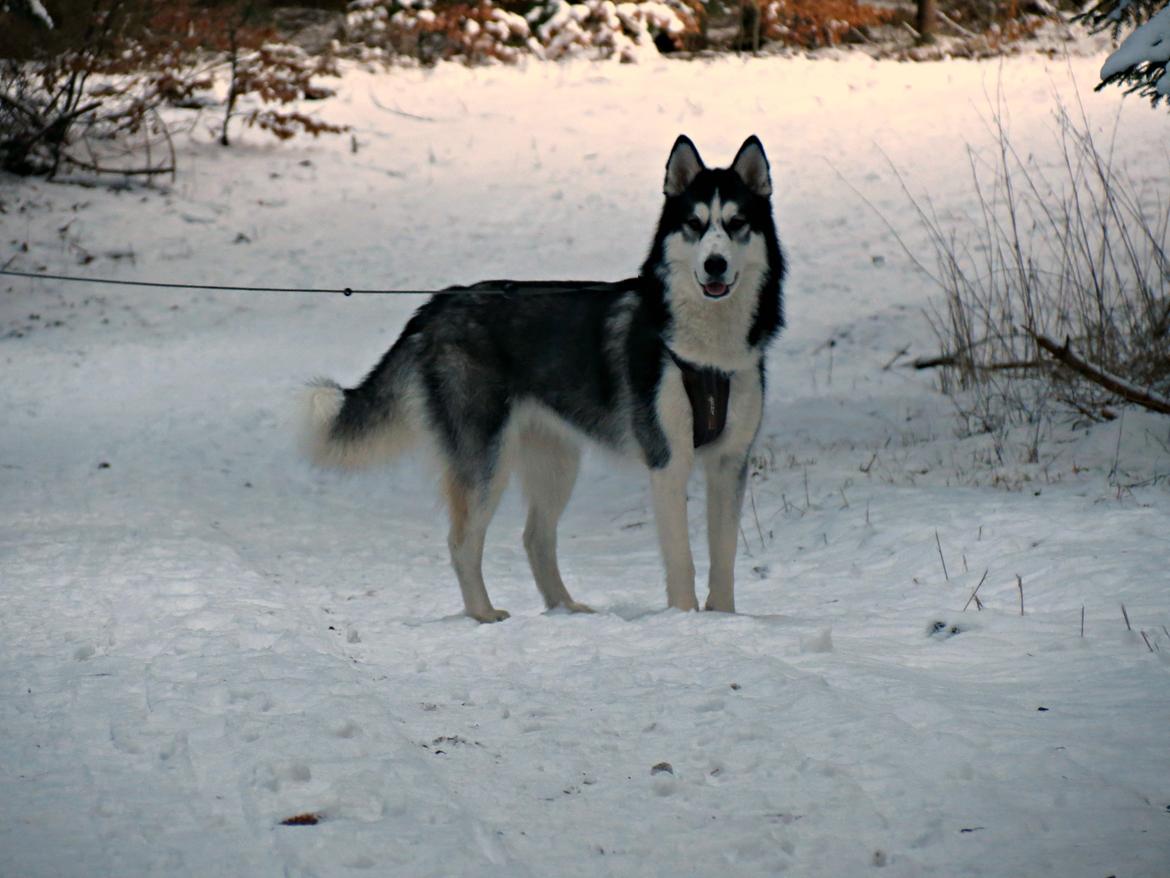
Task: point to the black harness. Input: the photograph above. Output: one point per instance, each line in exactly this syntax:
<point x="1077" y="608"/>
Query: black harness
<point x="708" y="390"/>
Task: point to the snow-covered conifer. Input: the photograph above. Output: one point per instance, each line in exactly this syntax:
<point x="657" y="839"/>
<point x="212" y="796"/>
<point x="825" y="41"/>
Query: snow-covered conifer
<point x="1139" y="64"/>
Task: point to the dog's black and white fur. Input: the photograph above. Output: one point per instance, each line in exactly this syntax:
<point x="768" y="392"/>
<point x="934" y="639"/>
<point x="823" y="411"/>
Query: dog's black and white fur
<point x="501" y="382"/>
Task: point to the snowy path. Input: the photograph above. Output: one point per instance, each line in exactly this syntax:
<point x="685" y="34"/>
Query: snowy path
<point x="201" y="637"/>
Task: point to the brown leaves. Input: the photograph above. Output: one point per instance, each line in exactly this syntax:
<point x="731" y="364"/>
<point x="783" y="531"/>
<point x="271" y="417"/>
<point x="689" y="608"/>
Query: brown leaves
<point x="815" y="23"/>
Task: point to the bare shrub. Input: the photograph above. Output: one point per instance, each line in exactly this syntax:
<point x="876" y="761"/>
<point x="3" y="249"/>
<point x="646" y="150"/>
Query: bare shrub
<point x="65" y="96"/>
<point x="83" y="87"/>
<point x="1077" y="255"/>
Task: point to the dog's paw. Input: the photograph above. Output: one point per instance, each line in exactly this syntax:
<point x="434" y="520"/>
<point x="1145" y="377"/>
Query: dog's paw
<point x="492" y="615"/>
<point x="576" y="607"/>
<point x="713" y="606"/>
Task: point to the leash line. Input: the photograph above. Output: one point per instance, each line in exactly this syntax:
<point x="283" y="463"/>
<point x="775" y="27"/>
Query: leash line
<point x="491" y="287"/>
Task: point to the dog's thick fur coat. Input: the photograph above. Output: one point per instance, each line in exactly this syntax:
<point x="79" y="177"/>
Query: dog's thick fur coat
<point x="501" y="382"/>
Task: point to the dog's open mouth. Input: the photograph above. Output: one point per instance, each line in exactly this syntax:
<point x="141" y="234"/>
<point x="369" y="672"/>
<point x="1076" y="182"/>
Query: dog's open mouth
<point x="717" y="289"/>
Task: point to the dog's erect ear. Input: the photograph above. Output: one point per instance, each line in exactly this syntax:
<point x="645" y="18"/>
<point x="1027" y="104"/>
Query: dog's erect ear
<point x="682" y="167"/>
<point x="752" y="166"/>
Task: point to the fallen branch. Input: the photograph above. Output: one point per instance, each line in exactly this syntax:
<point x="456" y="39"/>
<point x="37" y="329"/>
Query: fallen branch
<point x="129" y="172"/>
<point x="971" y="35"/>
<point x="944" y="361"/>
<point x="1146" y="397"/>
<point x="934" y="362"/>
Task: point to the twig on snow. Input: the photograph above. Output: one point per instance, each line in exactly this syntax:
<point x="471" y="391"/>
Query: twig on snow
<point x="938" y="543"/>
<point x="397" y="112"/>
<point x="978" y="604"/>
<point x="755" y="514"/>
<point x="901" y="353"/>
<point x="1117" y="453"/>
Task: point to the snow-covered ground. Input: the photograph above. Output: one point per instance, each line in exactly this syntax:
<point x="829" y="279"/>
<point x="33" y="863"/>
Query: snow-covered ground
<point x="202" y="637"/>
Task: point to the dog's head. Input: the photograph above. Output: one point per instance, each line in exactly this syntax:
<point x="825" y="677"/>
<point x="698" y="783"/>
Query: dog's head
<point x="716" y="229"/>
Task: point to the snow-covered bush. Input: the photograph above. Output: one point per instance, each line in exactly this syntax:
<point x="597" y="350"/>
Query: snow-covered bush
<point x="1139" y="64"/>
<point x="431" y="30"/>
<point x="607" y="29"/>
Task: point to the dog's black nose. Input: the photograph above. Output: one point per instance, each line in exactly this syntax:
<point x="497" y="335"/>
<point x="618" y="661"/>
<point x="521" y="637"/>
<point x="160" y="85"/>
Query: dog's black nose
<point x="715" y="266"/>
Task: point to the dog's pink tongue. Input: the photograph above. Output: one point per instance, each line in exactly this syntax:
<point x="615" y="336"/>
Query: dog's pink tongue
<point x="715" y="290"/>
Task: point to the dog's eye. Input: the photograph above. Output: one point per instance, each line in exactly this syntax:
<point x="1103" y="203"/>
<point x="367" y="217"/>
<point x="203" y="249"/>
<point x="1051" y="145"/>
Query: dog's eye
<point x="735" y="224"/>
<point x="695" y="225"/>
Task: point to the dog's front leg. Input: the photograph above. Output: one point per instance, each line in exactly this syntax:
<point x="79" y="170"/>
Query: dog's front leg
<point x="669" y="487"/>
<point x="726" y="477"/>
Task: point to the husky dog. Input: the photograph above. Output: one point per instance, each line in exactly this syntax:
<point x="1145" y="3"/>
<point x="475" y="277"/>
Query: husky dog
<point x="667" y="367"/>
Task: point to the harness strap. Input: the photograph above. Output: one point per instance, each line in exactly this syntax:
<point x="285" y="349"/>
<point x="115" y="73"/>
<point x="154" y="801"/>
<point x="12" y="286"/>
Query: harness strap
<point x="709" y="391"/>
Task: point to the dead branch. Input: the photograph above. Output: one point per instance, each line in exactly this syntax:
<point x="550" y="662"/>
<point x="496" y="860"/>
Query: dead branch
<point x="950" y="360"/>
<point x="941" y="360"/>
<point x="129" y="172"/>
<point x="1146" y="397"/>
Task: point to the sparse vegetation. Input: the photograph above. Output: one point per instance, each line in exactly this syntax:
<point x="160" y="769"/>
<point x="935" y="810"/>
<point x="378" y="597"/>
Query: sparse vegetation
<point x="1064" y="259"/>
<point x="507" y="30"/>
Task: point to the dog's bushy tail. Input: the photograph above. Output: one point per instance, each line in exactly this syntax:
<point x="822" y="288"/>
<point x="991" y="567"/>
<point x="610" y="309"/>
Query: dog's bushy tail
<point x="368" y="424"/>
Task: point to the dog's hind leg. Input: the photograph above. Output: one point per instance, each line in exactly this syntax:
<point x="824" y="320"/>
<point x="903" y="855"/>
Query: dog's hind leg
<point x="726" y="477"/>
<point x="471" y="507"/>
<point x="548" y="469"/>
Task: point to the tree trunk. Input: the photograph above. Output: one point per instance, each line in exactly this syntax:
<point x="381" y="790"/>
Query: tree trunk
<point x="234" y="55"/>
<point x="927" y="20"/>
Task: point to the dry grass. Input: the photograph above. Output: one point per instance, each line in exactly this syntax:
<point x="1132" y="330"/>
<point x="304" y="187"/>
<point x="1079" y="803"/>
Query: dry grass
<point x="1076" y="253"/>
